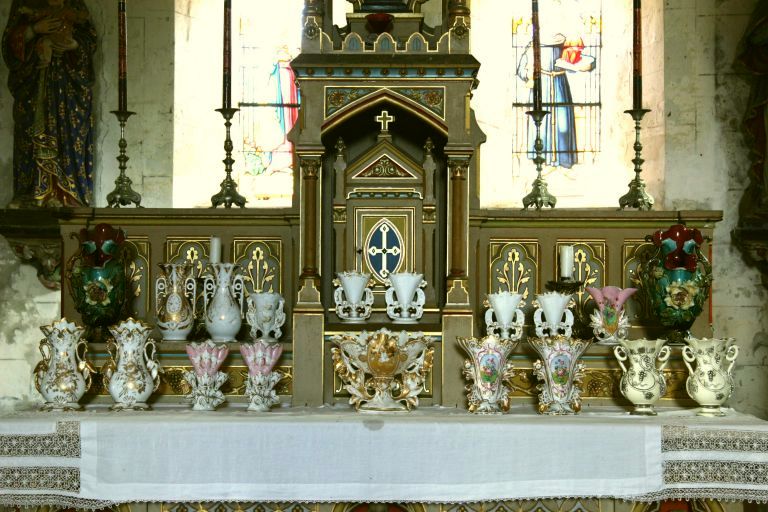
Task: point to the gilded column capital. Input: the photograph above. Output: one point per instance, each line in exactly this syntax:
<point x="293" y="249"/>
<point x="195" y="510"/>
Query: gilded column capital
<point x="458" y="169"/>
<point x="310" y="168"/>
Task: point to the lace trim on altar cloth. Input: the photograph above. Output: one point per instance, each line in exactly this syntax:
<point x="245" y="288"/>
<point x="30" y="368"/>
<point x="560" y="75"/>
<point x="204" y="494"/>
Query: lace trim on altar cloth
<point x="65" y="442"/>
<point x="681" y="438"/>
<point x="40" y="477"/>
<point x="715" y="472"/>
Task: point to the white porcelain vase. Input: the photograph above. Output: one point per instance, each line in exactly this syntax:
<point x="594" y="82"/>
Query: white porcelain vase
<point x="353" y="296"/>
<point x="205" y="378"/>
<point x="553" y="317"/>
<point x="503" y="317"/>
<point x="405" y="297"/>
<point x="223" y="299"/>
<point x="642" y="381"/>
<point x="559" y="372"/>
<point x="710" y="382"/>
<point x="175" y="293"/>
<point x="266" y="316"/>
<point x="64" y="374"/>
<point x="382" y="371"/>
<point x="132" y="373"/>
<point x="261" y="359"/>
<point x="488" y="371"/>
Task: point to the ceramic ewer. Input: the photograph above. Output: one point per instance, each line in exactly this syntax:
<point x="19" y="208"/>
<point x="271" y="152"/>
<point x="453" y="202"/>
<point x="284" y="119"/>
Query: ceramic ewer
<point x="710" y="383"/>
<point x="503" y="316"/>
<point x="383" y="370"/>
<point x="353" y="296"/>
<point x="642" y="381"/>
<point x="223" y="300"/>
<point x="261" y="358"/>
<point x="609" y="321"/>
<point x="559" y="372"/>
<point x="64" y="374"/>
<point x="205" y="378"/>
<point x="132" y="372"/>
<point x="265" y="316"/>
<point x="488" y="371"/>
<point x="175" y="293"/>
<point x="553" y="317"/>
<point x="405" y="297"/>
<point x="675" y="279"/>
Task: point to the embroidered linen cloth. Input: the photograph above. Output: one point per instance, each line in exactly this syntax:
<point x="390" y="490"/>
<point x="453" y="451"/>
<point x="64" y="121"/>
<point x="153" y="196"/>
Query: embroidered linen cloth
<point x="96" y="459"/>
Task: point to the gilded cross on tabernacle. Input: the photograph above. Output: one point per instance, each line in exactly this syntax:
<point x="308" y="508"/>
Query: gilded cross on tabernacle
<point x="384" y="119"/>
<point x="384" y="250"/>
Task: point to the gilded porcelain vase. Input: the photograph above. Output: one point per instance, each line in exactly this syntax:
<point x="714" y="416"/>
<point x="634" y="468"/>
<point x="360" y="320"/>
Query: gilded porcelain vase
<point x="488" y="371"/>
<point x="132" y="373"/>
<point x="64" y="374"/>
<point x="609" y="322"/>
<point x="710" y="382"/>
<point x="353" y="296"/>
<point x="642" y="380"/>
<point x="266" y="316"/>
<point x="205" y="378"/>
<point x="223" y="299"/>
<point x="383" y="371"/>
<point x="503" y="316"/>
<point x="553" y="317"/>
<point x="405" y="298"/>
<point x="261" y="359"/>
<point x="559" y="372"/>
<point x="175" y="292"/>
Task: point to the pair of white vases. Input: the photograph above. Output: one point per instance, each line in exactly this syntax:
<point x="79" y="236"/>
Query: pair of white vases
<point x="404" y="297"/>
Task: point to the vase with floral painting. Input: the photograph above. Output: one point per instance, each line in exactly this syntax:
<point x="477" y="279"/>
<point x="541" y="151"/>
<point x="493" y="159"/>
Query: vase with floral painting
<point x="609" y="321"/>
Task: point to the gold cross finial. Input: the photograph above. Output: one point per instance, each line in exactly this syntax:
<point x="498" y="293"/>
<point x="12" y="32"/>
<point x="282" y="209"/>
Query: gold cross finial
<point x="384" y="119"/>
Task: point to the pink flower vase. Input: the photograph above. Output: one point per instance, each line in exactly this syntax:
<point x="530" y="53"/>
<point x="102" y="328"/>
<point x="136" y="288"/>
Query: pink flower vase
<point x="261" y="358"/>
<point x="609" y="322"/>
<point x="206" y="379"/>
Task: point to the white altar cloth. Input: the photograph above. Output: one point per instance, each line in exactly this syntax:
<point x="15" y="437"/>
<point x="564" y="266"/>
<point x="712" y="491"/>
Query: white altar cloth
<point x="97" y="458"/>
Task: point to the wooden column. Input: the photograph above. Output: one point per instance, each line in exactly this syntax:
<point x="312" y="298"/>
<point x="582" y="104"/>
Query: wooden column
<point x="459" y="214"/>
<point x="310" y="169"/>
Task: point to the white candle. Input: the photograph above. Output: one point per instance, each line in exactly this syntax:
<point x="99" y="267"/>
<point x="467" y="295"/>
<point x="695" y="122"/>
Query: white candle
<point x="215" y="253"/>
<point x="566" y="261"/>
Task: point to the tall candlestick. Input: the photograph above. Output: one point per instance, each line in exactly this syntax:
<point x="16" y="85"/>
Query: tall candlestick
<point x="226" y="100"/>
<point x="536" y="54"/>
<point x="122" y="55"/>
<point x="637" y="57"/>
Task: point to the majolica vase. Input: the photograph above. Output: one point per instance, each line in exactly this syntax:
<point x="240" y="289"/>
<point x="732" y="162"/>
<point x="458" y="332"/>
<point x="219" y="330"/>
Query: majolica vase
<point x="64" y="374"/>
<point x="559" y="372"/>
<point x="710" y="383"/>
<point x="261" y="359"/>
<point x="382" y="371"/>
<point x="675" y="279"/>
<point x="609" y="322"/>
<point x="642" y="382"/>
<point x="175" y="292"/>
<point x="205" y="377"/>
<point x="132" y="372"/>
<point x="488" y="370"/>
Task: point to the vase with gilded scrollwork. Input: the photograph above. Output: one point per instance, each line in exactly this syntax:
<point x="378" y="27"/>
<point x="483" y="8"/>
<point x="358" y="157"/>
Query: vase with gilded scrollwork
<point x="132" y="373"/>
<point x="175" y="292"/>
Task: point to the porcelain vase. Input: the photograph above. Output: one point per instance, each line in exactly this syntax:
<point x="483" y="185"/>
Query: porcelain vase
<point x="710" y="382"/>
<point x="205" y="378"/>
<point x="353" y="296"/>
<point x="503" y="316"/>
<point x="559" y="372"/>
<point x="383" y="371"/>
<point x="405" y="297"/>
<point x="132" y="372"/>
<point x="488" y="371"/>
<point x="223" y="299"/>
<point x="266" y="316"/>
<point x="261" y="358"/>
<point x="175" y="292"/>
<point x="553" y="317"/>
<point x="609" y="321"/>
<point x="642" y="381"/>
<point x="64" y="374"/>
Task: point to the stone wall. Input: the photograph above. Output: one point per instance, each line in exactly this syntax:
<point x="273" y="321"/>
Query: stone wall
<point x="707" y="165"/>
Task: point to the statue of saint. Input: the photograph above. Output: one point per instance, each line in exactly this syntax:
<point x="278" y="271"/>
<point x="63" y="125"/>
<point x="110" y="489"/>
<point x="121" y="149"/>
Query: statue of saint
<point x="49" y="46"/>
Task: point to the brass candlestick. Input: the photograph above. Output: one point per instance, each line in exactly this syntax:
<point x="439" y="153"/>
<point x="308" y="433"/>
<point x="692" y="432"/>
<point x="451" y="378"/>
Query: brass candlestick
<point x="123" y="194"/>
<point x="228" y="194"/>
<point x="637" y="197"/>
<point x="539" y="196"/>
